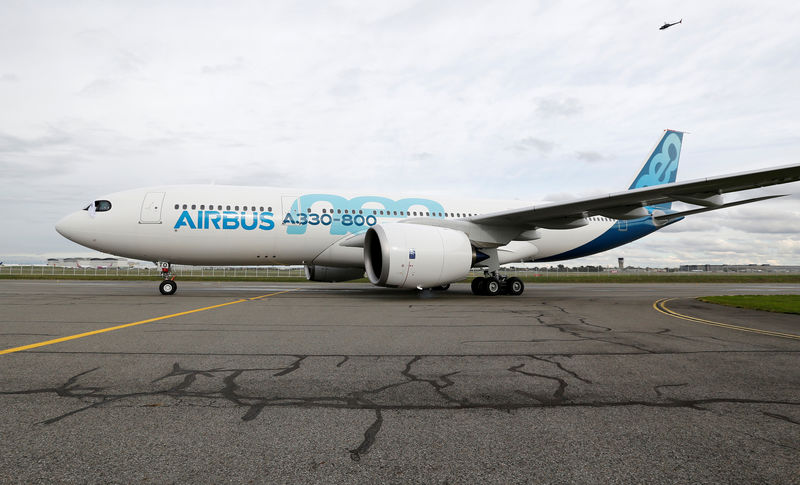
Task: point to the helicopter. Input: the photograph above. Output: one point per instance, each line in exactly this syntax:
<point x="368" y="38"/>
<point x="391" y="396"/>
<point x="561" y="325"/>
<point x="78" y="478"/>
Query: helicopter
<point x="668" y="25"/>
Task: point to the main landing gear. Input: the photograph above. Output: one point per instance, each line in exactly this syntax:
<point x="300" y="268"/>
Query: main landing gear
<point x="495" y="284"/>
<point x="168" y="286"/>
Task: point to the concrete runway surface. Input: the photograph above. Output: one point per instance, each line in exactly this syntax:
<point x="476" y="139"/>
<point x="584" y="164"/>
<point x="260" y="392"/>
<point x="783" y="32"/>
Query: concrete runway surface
<point x="347" y="383"/>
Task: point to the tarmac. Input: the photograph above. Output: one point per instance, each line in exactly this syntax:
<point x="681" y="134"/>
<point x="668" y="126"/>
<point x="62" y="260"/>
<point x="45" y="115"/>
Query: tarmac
<point x="111" y="382"/>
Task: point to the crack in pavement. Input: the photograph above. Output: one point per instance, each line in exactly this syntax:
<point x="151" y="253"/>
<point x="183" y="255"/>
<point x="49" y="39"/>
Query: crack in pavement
<point x="558" y="395"/>
<point x="781" y="417"/>
<point x="589" y="334"/>
<point x="293" y="367"/>
<point x="369" y="437"/>
<point x="657" y="389"/>
<point x="183" y="382"/>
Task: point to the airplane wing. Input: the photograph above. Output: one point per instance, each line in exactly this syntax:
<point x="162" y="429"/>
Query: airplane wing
<point x="499" y="228"/>
<point x="630" y="203"/>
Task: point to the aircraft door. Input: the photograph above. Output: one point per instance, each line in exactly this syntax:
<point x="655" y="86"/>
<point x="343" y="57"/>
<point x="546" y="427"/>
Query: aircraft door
<point x="622" y="225"/>
<point x="151" y="208"/>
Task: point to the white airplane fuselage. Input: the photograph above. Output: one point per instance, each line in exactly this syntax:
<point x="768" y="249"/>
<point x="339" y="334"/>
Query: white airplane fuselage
<point x="230" y="225"/>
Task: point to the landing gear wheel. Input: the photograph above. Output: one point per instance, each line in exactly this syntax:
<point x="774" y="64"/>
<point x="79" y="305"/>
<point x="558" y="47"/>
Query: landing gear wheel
<point x="515" y="286"/>
<point x="491" y="287"/>
<point x="167" y="287"/>
<point x="476" y="285"/>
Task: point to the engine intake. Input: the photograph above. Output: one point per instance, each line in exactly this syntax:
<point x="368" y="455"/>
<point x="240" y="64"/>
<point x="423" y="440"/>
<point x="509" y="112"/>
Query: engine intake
<point x="416" y="256"/>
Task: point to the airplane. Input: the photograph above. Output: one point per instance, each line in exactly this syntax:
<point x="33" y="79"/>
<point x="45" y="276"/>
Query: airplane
<point x="668" y="25"/>
<point x="401" y="242"/>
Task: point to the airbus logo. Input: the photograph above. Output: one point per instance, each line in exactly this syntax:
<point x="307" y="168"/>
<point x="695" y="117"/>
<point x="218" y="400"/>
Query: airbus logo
<point x="226" y="220"/>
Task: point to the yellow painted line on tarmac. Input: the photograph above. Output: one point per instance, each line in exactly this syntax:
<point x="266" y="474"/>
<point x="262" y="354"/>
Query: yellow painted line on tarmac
<point x="149" y="320"/>
<point x="661" y="306"/>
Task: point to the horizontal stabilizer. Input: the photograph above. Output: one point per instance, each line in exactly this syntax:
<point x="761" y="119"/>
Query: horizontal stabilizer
<point x="677" y="215"/>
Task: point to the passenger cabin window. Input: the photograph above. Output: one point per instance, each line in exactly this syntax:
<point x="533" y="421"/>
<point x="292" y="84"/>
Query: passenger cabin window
<point x="177" y="206"/>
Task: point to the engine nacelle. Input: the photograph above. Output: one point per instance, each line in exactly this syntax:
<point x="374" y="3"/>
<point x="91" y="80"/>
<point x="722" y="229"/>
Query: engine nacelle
<point x="416" y="256"/>
<point x="331" y="274"/>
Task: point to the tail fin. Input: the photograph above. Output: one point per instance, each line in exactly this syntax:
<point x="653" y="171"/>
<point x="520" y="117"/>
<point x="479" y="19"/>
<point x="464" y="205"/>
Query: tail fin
<point x="661" y="167"/>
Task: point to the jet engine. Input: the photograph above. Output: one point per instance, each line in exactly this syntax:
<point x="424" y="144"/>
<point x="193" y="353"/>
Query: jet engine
<point x="331" y="274"/>
<point x="416" y="256"/>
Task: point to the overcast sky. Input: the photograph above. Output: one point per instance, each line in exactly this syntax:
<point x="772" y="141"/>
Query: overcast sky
<point x="529" y="100"/>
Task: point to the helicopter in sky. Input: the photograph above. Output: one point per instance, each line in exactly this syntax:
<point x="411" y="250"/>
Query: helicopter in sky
<point x="668" y="25"/>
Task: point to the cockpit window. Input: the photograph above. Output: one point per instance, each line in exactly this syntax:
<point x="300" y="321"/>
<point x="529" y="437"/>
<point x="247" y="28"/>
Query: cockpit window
<point x="100" y="206"/>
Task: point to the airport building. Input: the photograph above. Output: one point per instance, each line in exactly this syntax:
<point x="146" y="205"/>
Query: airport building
<point x="91" y="263"/>
<point x="739" y="268"/>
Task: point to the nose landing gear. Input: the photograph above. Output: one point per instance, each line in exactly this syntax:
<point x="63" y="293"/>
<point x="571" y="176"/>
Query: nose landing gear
<point x="168" y="286"/>
<point x="495" y="284"/>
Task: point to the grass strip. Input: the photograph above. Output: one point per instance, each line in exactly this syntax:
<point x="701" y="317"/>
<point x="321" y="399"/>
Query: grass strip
<point x="769" y="303"/>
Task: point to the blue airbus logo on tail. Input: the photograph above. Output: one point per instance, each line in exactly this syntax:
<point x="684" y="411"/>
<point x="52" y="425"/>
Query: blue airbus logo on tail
<point x="662" y="166"/>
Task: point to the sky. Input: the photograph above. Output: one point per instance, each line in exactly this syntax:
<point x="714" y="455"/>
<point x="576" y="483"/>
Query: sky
<point x="529" y="100"/>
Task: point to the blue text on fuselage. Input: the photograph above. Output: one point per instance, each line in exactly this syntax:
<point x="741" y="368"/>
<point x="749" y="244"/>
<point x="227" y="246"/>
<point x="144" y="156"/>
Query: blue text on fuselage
<point x="226" y="220"/>
<point x="340" y="225"/>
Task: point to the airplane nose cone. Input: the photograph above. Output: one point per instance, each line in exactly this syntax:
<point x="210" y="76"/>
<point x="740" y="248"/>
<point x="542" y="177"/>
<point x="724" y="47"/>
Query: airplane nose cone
<point x="69" y="226"/>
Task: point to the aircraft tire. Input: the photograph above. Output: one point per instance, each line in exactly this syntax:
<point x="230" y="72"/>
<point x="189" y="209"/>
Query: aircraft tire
<point x="476" y="285"/>
<point x="492" y="287"/>
<point x="168" y="287"/>
<point x="515" y="286"/>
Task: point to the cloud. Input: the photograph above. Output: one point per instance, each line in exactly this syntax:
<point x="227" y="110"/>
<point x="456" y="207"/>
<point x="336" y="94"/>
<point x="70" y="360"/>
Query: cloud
<point x="100" y="87"/>
<point x="14" y="144"/>
<point x="551" y="107"/>
<point x="530" y="142"/>
<point x="590" y="156"/>
<point x="347" y="83"/>
<point x="228" y="67"/>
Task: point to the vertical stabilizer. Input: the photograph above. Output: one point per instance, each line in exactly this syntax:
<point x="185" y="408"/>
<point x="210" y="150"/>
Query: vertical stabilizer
<point x="661" y="167"/>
